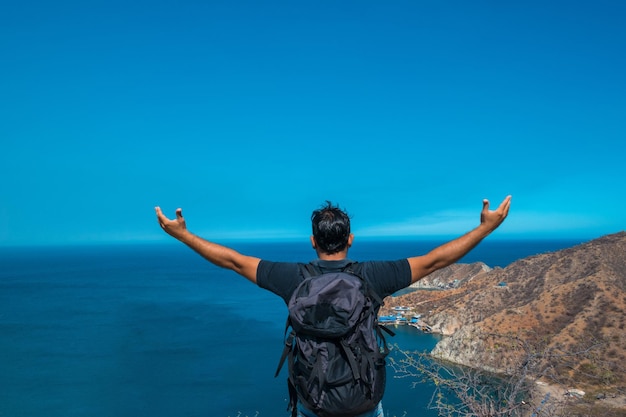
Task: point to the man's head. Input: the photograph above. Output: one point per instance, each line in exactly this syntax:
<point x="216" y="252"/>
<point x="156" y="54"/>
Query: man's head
<point x="331" y="229"/>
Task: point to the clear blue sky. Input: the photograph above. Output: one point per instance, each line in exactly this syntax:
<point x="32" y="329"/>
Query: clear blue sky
<point x="249" y="115"/>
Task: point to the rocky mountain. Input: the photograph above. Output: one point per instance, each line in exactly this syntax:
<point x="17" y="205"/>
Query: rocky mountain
<point x="451" y="277"/>
<point x="569" y="301"/>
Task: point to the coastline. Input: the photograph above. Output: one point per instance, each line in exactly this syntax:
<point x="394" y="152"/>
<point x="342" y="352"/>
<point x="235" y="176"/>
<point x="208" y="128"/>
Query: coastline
<point x="547" y="395"/>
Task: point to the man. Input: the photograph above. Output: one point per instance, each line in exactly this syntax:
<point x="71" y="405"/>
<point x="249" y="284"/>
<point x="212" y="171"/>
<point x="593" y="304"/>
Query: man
<point x="331" y="240"/>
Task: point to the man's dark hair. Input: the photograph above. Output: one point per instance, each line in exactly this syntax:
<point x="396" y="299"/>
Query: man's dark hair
<point x="331" y="228"/>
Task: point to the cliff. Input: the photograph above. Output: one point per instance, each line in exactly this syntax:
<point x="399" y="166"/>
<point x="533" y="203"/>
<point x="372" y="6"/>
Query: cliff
<point x="570" y="300"/>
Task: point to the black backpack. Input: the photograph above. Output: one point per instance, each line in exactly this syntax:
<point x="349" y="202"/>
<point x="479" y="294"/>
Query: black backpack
<point x="335" y="349"/>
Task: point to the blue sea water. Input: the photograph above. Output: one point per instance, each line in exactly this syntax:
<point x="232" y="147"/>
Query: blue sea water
<point x="155" y="330"/>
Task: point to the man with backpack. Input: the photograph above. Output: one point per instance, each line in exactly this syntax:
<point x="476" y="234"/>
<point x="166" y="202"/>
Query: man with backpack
<point x="334" y="349"/>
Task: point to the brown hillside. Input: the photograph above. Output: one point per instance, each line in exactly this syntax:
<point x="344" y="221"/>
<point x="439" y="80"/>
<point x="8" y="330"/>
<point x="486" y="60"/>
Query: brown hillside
<point x="570" y="300"/>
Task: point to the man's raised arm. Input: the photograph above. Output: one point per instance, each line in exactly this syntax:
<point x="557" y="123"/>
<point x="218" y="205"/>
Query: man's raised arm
<point x="454" y="250"/>
<point x="219" y="255"/>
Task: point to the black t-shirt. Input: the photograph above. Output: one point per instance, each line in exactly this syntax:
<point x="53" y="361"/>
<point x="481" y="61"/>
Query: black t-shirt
<point x="384" y="277"/>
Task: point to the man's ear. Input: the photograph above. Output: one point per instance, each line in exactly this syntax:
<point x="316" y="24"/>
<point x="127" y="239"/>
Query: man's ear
<point x="313" y="242"/>
<point x="350" y="239"/>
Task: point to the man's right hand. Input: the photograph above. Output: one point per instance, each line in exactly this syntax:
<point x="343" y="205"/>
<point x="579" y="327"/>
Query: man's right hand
<point x="452" y="251"/>
<point x="491" y="219"/>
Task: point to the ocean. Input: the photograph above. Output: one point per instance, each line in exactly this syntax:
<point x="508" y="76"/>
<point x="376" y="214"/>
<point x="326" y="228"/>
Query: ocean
<point x="154" y="330"/>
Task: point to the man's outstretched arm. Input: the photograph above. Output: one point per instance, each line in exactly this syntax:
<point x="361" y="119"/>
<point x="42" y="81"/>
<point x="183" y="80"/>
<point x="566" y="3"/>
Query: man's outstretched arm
<point x="219" y="255"/>
<point x="454" y="250"/>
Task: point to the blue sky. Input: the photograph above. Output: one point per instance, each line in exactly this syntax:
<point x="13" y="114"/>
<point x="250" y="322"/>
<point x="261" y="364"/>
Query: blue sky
<point x="249" y="115"/>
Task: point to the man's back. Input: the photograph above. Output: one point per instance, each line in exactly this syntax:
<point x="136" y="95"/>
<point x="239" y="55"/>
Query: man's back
<point x="384" y="277"/>
<point x="335" y="350"/>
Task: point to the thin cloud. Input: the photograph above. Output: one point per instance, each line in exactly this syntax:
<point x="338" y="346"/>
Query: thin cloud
<point x="444" y="223"/>
<point x="456" y="223"/>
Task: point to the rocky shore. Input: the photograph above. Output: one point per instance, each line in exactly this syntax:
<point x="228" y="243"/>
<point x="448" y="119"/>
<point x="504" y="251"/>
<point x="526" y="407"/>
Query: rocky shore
<point x="573" y="300"/>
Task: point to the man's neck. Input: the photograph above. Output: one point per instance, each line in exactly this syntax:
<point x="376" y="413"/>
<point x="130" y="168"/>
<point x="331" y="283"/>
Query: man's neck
<point x="339" y="256"/>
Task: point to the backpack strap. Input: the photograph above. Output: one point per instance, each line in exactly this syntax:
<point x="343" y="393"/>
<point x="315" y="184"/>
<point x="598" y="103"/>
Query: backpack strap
<point x="293" y="398"/>
<point x="386" y="329"/>
<point x="291" y="384"/>
<point x="286" y="350"/>
<point x="309" y="270"/>
<point x="356" y="373"/>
